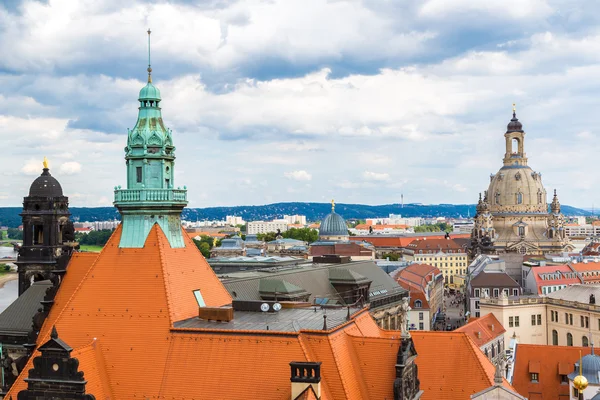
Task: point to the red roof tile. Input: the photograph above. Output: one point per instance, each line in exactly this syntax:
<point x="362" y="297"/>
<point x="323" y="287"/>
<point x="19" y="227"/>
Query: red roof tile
<point x="551" y="361"/>
<point x="483" y="330"/>
<point x="451" y="366"/>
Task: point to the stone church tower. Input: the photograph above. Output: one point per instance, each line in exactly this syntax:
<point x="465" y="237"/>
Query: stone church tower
<point x="48" y="234"/>
<point x="513" y="215"/>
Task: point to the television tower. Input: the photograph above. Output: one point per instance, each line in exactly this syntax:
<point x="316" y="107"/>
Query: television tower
<point x="402" y="200"/>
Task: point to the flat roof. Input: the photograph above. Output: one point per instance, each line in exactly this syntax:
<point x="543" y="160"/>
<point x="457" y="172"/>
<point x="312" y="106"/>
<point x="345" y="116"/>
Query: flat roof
<point x="286" y="320"/>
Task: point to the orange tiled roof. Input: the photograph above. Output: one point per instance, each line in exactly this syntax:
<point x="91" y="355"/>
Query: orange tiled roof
<point x="483" y="330"/>
<point x="551" y="359"/>
<point x="129" y="299"/>
<point x="586" y="267"/>
<point x="418" y="275"/>
<point x="451" y="366"/>
<point x="418" y="295"/>
<point x="400" y="241"/>
<point x="379" y="227"/>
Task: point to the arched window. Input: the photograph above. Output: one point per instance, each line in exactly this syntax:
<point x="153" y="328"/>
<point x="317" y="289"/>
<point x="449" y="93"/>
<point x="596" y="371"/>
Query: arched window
<point x="521" y="231"/>
<point x="497" y="198"/>
<point x="515" y="145"/>
<point x="418" y="304"/>
<point x="493" y="351"/>
<point x="540" y="197"/>
<point x="569" y="339"/>
<point x="555" y="338"/>
<point x="584" y="341"/>
<point x="519" y="198"/>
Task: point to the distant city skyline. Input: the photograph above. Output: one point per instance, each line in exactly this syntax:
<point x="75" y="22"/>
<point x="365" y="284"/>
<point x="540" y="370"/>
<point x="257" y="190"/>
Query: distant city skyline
<point x="282" y="101"/>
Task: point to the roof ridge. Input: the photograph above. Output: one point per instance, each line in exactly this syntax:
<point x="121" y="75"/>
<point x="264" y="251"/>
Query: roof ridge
<point x="162" y="267"/>
<point x="472" y="346"/>
<point x="337" y="365"/>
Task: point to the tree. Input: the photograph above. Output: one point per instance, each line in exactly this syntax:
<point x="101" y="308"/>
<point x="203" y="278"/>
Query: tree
<point x="305" y="234"/>
<point x="94" y="238"/>
<point x="390" y="256"/>
<point x="267" y="237"/>
<point x="242" y="227"/>
<point x="204" y="247"/>
<point x="14" y="233"/>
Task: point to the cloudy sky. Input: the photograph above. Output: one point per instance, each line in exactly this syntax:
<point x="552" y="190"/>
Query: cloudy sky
<point x="303" y="100"/>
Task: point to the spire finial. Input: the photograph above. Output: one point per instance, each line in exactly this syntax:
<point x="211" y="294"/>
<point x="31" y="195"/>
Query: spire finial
<point x="45" y="163"/>
<point x="332" y="205"/>
<point x="54" y="333"/>
<point x="149" y="67"/>
<point x="514" y="110"/>
<point x="555" y="192"/>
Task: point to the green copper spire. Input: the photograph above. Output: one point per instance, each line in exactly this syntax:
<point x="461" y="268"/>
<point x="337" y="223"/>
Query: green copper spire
<point x="150" y="196"/>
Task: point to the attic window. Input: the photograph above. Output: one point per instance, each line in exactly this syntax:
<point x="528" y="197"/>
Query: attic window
<point x="418" y="304"/>
<point x="199" y="298"/>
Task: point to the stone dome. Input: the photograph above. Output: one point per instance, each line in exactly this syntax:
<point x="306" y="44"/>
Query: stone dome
<point x="45" y="186"/>
<point x="517" y="189"/>
<point x="333" y="225"/>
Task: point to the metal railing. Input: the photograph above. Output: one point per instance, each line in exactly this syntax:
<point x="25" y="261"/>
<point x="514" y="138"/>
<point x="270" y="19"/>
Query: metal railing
<point x="135" y="195"/>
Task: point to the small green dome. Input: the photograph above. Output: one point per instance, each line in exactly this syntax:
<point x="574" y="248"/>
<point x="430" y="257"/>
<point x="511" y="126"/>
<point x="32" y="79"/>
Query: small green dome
<point x="149" y="92"/>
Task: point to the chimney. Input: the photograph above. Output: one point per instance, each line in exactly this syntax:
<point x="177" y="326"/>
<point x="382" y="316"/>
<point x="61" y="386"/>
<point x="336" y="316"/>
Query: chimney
<point x="305" y="374"/>
<point x="479" y="335"/>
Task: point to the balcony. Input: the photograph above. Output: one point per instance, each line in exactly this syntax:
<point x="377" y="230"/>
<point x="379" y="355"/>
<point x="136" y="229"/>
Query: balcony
<point x="150" y="195"/>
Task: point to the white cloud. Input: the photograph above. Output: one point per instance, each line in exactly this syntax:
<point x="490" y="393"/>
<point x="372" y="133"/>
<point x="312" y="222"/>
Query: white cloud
<point x="32" y="167"/>
<point x="376" y="176"/>
<point x="70" y="168"/>
<point x="298" y="175"/>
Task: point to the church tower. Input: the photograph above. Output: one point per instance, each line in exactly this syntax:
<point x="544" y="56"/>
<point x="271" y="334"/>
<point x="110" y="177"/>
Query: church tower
<point x="151" y="196"/>
<point x="513" y="216"/>
<point x="48" y="233"/>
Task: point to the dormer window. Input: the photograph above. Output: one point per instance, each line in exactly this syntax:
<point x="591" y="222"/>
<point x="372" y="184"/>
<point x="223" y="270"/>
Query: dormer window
<point x="418" y="304"/>
<point x="534" y="377"/>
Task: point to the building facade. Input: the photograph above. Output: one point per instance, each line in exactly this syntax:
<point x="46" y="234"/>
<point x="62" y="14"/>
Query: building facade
<point x="513" y="215"/>
<point x="568" y="317"/>
<point x="255" y="227"/>
<point x="491" y="284"/>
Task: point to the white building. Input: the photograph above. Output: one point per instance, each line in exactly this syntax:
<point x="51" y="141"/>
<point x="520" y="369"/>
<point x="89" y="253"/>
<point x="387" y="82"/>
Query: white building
<point x="462" y="227"/>
<point x="295" y="219"/>
<point x="255" y="227"/>
<point x="234" y="220"/>
<point x="396" y="219"/>
<point x="584" y="230"/>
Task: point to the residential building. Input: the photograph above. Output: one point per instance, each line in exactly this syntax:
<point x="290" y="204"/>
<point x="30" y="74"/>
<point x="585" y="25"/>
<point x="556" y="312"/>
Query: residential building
<point x="429" y="281"/>
<point x="588" y="271"/>
<point x="542" y="372"/>
<point x="567" y="317"/>
<point x="398" y="244"/>
<point x="255" y="227"/>
<point x="295" y="219"/>
<point x="487" y="333"/>
<point x="419" y="314"/>
<point x="582" y="231"/>
<point x="463" y="227"/>
<point x="379" y="229"/>
<point x="452" y="265"/>
<point x="592" y="249"/>
<point x="234" y="220"/>
<point x="490" y="284"/>
<point x="513" y="215"/>
<point x="546" y="279"/>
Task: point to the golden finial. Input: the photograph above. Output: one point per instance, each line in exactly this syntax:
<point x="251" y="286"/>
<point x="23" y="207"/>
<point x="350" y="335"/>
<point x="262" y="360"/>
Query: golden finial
<point x="580" y="382"/>
<point x="332" y="205"/>
<point x="45" y="163"/>
<point x="514" y="107"/>
<point x="149" y="68"/>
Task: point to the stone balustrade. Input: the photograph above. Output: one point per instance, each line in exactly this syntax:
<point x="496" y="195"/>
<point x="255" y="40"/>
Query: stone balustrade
<point x="150" y="195"/>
